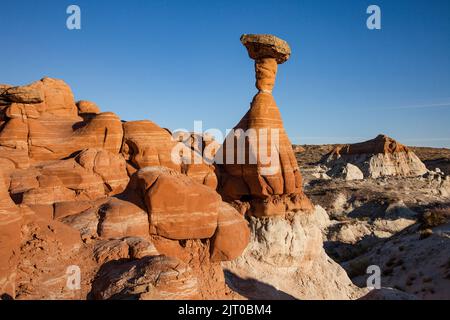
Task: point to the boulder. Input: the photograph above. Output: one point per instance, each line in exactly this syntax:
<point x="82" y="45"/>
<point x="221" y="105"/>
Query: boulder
<point x="113" y="218"/>
<point x="232" y="235"/>
<point x="178" y="207"/>
<point x="149" y="278"/>
<point x="93" y="174"/>
<point x="146" y="144"/>
<point x="260" y="46"/>
<point x="25" y="95"/>
<point x="57" y="181"/>
<point x="347" y="172"/>
<point x="123" y="248"/>
<point x="118" y="218"/>
<point x="87" y="107"/>
<point x="50" y="139"/>
<point x="109" y="166"/>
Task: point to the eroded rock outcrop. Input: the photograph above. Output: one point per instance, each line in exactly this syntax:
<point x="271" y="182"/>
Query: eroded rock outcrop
<point x="382" y="156"/>
<point x="149" y="278"/>
<point x="67" y="202"/>
<point x="10" y="223"/>
<point x="137" y="212"/>
<point x="179" y="208"/>
<point x="259" y="165"/>
<point x="285" y="258"/>
<point x="41" y="123"/>
<point x="147" y="144"/>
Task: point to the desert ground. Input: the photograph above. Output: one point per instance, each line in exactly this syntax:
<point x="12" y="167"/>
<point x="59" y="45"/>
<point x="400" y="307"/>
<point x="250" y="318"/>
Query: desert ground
<point x="398" y="223"/>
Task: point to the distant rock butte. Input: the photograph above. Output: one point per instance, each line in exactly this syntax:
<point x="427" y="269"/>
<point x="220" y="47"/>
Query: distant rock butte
<point x="381" y="144"/>
<point x="382" y="156"/>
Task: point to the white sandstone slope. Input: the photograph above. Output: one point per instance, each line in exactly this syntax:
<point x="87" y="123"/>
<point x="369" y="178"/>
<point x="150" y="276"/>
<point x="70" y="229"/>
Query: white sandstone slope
<point x="286" y="260"/>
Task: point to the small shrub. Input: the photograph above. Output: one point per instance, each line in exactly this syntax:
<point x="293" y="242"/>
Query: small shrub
<point x="434" y="218"/>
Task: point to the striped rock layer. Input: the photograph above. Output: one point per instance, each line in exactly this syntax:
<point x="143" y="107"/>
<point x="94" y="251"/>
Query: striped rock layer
<point x="79" y="187"/>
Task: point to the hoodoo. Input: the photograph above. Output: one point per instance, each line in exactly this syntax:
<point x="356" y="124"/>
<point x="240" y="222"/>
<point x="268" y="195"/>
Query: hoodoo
<point x="286" y="247"/>
<point x="260" y="172"/>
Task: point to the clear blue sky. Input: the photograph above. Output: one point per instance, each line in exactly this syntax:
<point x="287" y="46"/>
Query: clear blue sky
<point x="174" y="62"/>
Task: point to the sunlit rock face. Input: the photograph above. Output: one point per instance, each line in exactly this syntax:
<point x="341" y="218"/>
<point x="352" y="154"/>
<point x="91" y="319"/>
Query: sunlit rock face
<point x="83" y="190"/>
<point x="382" y="156"/>
<point x="259" y="166"/>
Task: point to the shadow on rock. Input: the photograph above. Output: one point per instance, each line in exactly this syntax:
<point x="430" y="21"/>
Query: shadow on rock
<point x="253" y="289"/>
<point x="341" y="251"/>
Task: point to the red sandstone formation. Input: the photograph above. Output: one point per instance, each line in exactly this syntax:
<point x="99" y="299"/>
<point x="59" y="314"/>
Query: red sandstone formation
<point x="146" y="144"/>
<point x="273" y="187"/>
<point x="130" y="208"/>
<point x="10" y="223"/>
<point x="80" y="188"/>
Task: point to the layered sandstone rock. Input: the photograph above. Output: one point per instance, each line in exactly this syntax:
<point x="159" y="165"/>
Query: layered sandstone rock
<point x="92" y="175"/>
<point x="382" y="156"/>
<point x="285" y="258"/>
<point x="48" y="248"/>
<point x="259" y="165"/>
<point x="146" y="144"/>
<point x="197" y="254"/>
<point x="87" y="107"/>
<point x="42" y="123"/>
<point x="137" y="211"/>
<point x="111" y="218"/>
<point x="10" y="238"/>
<point x="109" y="166"/>
<point x="229" y="222"/>
<point x="149" y="278"/>
<point x="181" y="208"/>
<point x="65" y="202"/>
<point x="130" y="248"/>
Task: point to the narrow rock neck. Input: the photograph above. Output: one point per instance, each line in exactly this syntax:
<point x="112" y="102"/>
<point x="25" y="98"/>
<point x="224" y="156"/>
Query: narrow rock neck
<point x="266" y="71"/>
